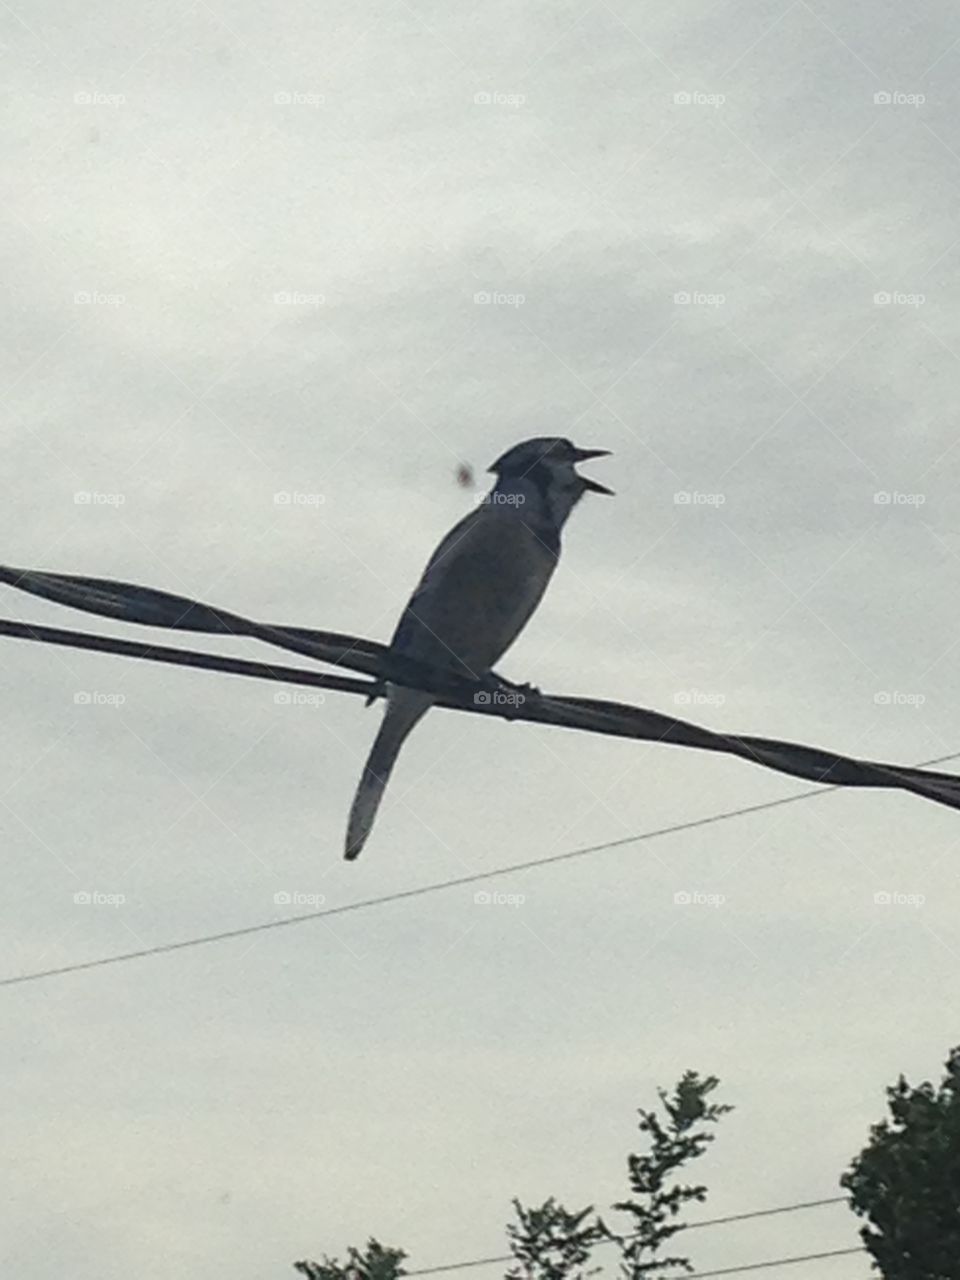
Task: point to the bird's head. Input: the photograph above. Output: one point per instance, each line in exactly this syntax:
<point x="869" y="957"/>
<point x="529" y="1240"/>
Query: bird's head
<point x="545" y="467"/>
<point x="549" y="460"/>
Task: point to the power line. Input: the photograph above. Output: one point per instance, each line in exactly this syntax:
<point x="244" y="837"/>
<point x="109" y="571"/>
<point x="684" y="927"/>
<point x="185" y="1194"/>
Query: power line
<point x="687" y="1226"/>
<point x="773" y="1262"/>
<point x="690" y="1275"/>
<point x="474" y="877"/>
<point x="767" y="1213"/>
<point x="402" y="895"/>
<point x="132" y="603"/>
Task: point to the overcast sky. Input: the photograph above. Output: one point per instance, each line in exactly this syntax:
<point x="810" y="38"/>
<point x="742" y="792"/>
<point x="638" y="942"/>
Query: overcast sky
<point x="335" y="252"/>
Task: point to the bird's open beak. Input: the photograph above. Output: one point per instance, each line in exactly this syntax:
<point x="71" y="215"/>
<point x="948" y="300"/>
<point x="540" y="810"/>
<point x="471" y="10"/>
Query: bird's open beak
<point x="593" y="485"/>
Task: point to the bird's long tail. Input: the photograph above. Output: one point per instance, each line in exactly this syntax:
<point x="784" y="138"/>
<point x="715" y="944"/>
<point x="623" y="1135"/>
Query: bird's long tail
<point x="404" y="708"/>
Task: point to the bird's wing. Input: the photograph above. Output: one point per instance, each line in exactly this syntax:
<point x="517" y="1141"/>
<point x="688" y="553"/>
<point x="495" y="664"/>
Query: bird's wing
<point x="477" y="592"/>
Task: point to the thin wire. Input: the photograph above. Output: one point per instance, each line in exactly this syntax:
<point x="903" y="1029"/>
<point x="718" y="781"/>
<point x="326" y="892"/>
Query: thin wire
<point x="767" y="1213"/>
<point x="774" y="1262"/>
<point x="687" y="1226"/>
<point x="690" y="1275"/>
<point x="405" y="894"/>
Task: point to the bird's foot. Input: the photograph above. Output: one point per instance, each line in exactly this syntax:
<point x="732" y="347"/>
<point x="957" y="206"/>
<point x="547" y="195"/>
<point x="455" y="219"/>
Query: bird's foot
<point x="377" y="690"/>
<point x="508" y="695"/>
<point x="527" y="691"/>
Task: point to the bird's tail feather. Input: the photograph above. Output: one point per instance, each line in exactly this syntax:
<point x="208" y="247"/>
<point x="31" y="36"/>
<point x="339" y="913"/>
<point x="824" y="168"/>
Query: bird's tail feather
<point x="404" y="708"/>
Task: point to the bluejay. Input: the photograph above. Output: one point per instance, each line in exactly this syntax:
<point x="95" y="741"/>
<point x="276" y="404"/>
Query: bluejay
<point x="477" y="593"/>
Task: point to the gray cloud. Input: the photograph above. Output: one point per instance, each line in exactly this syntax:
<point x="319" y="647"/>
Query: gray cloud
<point x="243" y="253"/>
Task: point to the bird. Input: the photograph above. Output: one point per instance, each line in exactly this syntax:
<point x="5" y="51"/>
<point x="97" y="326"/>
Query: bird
<point x="478" y="591"/>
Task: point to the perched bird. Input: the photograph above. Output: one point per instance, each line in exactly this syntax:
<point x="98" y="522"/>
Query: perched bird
<point x="477" y="593"/>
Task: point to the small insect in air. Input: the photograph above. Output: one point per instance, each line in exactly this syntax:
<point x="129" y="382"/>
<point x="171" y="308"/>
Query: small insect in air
<point x="465" y="476"/>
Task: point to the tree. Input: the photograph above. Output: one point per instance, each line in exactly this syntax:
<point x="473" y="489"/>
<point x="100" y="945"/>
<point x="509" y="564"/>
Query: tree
<point x="657" y="1204"/>
<point x="375" y="1263"/>
<point x="549" y="1242"/>
<point x="552" y="1243"/>
<point x="906" y="1181"/>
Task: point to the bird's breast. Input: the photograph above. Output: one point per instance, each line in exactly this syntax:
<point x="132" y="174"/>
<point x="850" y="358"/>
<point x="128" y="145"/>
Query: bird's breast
<point x="478" y="593"/>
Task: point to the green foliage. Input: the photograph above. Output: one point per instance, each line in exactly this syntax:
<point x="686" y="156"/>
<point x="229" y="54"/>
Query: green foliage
<point x="375" y="1263"/>
<point x="658" y="1200"/>
<point x="551" y="1243"/>
<point x="906" y="1181"/>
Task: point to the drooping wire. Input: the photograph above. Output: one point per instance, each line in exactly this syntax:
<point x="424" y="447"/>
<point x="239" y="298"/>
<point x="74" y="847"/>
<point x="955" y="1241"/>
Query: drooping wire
<point x="421" y="891"/>
<point x="687" y="1226"/>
